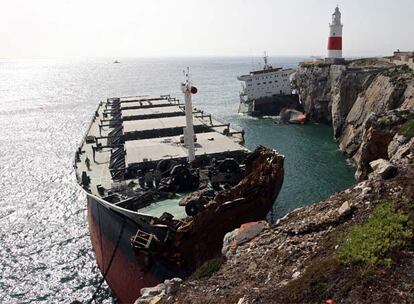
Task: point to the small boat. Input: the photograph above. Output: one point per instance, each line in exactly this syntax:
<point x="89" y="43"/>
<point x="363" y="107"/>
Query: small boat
<point x="116" y="61"/>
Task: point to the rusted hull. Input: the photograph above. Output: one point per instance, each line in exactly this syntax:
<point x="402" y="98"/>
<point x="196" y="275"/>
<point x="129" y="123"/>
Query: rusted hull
<point x="250" y="200"/>
<point x="193" y="244"/>
<point x="206" y="240"/>
<point x="125" y="275"/>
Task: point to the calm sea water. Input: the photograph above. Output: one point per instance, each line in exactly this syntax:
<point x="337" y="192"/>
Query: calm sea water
<point x="45" y="107"/>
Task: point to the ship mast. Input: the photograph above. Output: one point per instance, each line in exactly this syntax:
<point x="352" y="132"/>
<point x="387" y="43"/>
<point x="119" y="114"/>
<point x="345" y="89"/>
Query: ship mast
<point x="187" y="88"/>
<point x="265" y="57"/>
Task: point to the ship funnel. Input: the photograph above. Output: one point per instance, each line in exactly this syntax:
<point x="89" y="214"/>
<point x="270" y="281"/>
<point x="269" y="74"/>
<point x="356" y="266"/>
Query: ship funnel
<point x="187" y="88"/>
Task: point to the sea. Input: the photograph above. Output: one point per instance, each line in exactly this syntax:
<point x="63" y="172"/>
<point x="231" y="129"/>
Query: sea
<point x="45" y="107"/>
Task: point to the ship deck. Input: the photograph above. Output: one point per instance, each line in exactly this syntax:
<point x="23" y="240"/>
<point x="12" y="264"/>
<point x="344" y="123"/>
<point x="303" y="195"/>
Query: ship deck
<point x="156" y="149"/>
<point x="142" y="137"/>
<point x="154" y="112"/>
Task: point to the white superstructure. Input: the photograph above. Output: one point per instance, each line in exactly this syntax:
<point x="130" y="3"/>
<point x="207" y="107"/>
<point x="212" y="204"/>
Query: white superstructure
<point x="267" y="82"/>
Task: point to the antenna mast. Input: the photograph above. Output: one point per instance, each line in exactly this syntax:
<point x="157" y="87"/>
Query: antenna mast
<point x="187" y="88"/>
<point x="265" y="57"/>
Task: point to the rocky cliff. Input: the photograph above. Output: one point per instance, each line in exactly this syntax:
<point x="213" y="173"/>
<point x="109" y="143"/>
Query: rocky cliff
<point x="346" y="95"/>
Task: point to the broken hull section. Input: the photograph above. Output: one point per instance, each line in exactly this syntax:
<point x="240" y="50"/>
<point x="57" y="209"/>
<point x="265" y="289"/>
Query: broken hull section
<point x="269" y="106"/>
<point x="133" y="166"/>
<point x="111" y="232"/>
<point x="250" y="200"/>
<point x="126" y="276"/>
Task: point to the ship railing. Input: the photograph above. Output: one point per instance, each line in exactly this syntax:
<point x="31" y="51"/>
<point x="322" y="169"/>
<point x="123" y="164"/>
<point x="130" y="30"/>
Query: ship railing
<point x="221" y="121"/>
<point x="116" y="100"/>
<point x="237" y="128"/>
<point x="131" y="96"/>
<point x="85" y="133"/>
<point x="230" y="127"/>
<point x="174" y="100"/>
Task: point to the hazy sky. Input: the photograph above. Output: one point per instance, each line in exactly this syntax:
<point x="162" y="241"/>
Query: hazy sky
<point x="60" y="28"/>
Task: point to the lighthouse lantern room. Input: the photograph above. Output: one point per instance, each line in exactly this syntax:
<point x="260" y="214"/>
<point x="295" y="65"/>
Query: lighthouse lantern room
<point x="335" y="35"/>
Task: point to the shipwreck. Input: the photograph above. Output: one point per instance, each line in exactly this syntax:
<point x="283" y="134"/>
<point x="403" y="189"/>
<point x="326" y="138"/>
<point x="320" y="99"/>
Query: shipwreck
<point x="164" y="183"/>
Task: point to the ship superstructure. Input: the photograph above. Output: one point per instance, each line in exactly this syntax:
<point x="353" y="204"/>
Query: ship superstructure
<point x="264" y="88"/>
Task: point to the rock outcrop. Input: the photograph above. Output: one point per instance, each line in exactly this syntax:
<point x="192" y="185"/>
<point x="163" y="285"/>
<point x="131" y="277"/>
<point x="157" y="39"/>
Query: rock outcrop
<point x="347" y="95"/>
<point x="378" y="132"/>
<point x="153" y="295"/>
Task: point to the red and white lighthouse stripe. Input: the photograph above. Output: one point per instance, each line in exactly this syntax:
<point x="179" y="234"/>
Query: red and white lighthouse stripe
<point x="335" y="36"/>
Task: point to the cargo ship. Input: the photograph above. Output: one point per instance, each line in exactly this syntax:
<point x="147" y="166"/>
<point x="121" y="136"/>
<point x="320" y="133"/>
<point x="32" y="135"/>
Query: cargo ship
<point x="265" y="92"/>
<point x="164" y="182"/>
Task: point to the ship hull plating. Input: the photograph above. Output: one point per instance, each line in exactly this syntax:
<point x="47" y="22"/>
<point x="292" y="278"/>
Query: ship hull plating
<point x="110" y="234"/>
<point x="269" y="106"/>
<point x="136" y="249"/>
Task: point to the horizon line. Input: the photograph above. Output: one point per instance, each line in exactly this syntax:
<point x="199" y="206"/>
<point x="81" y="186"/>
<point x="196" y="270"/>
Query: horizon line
<point x="177" y="56"/>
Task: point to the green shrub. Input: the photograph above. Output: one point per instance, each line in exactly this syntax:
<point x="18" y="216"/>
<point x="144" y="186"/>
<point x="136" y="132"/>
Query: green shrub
<point x="399" y="71"/>
<point x="374" y="242"/>
<point x="384" y="121"/>
<point x="323" y="64"/>
<point x="207" y="269"/>
<point x="407" y="129"/>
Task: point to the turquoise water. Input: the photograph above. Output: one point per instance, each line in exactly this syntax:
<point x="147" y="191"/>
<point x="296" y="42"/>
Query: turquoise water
<point x="168" y="205"/>
<point x="45" y="107"/>
<point x="314" y="168"/>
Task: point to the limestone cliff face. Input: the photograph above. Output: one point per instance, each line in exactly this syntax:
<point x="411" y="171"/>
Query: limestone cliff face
<point x="346" y="95"/>
<point x="380" y="139"/>
<point x="314" y="84"/>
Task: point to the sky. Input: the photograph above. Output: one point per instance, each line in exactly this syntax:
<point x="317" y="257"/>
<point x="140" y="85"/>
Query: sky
<point x="153" y="28"/>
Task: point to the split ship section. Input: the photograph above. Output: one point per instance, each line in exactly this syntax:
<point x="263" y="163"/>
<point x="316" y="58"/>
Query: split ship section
<point x="153" y="215"/>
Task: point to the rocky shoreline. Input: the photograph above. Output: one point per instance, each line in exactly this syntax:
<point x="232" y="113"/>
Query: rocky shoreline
<point x="347" y="95"/>
<point x="357" y="246"/>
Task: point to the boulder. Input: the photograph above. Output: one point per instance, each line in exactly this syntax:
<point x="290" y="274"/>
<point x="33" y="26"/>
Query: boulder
<point x="152" y="291"/>
<point x="171" y="286"/>
<point x="249" y="231"/>
<point x="153" y="295"/>
<point x="344" y="209"/>
<point x="241" y="235"/>
<point x="296" y="275"/>
<point x="396" y="142"/>
<point x="383" y="168"/>
<point x="403" y="151"/>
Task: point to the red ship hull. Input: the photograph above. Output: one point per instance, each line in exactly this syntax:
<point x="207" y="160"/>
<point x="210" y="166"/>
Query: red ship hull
<point x="193" y="243"/>
<point x="110" y="234"/>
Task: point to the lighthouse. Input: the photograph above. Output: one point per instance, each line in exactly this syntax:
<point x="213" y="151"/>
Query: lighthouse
<point x="335" y="36"/>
